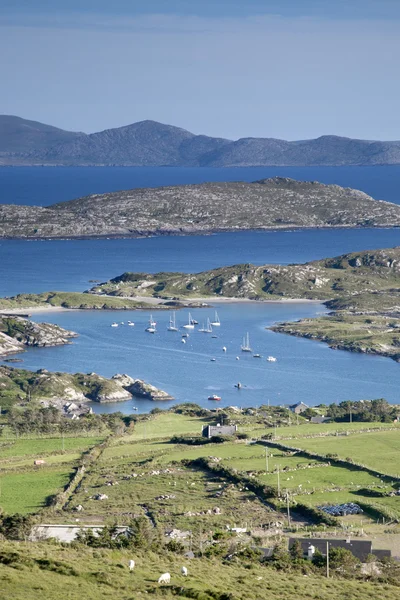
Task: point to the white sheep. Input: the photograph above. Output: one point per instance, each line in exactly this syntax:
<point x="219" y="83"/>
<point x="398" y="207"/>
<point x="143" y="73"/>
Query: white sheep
<point x="131" y="565"/>
<point x="184" y="571"/>
<point x="164" y="578"/>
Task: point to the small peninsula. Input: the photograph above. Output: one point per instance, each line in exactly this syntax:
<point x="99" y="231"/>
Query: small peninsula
<point x="16" y="333"/>
<point x="20" y="386"/>
<point x="277" y="203"/>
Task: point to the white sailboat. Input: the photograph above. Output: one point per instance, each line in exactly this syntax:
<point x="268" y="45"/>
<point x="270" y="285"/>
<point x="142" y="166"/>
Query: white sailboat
<point x="245" y="347"/>
<point x="190" y="324"/>
<point x="172" y="323"/>
<point x="152" y="322"/>
<point x="216" y="322"/>
<point x="207" y="329"/>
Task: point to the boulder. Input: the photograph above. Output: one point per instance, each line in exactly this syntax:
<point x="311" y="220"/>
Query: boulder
<point x="146" y="390"/>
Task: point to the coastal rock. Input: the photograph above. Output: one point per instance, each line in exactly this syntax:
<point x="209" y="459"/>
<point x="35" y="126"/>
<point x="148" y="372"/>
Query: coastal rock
<point x="123" y="380"/>
<point x="146" y="390"/>
<point x="9" y="345"/>
<point x="29" y="333"/>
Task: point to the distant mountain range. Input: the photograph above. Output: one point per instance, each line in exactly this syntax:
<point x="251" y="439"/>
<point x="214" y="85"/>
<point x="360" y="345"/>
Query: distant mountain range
<point x="152" y="144"/>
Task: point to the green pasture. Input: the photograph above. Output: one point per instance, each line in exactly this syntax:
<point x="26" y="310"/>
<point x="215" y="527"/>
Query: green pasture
<point x="378" y="450"/>
<point x="167" y="425"/>
<point x="11" y="448"/>
<point x="26" y="492"/>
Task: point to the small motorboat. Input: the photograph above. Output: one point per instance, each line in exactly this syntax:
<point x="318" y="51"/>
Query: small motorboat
<point x="122" y="323"/>
<point x="214" y="337"/>
<point x="150" y="329"/>
<point x="114" y="324"/>
<point x="131" y="324"/>
<point x="183" y="341"/>
<point x="237" y="358"/>
<point x="185" y="335"/>
<point x="224" y="349"/>
<point x="257" y="356"/>
<point x="134" y="407"/>
<point x="213" y="359"/>
<point x="214" y="397"/>
<point x="271" y="359"/>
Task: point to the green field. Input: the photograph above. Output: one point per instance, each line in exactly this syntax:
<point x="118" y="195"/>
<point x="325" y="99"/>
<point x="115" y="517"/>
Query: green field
<point x="26" y="492"/>
<point x="25" y="487"/>
<point x="377" y="450"/>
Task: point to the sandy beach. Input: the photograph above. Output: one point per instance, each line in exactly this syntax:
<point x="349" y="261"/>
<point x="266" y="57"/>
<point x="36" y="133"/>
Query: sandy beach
<point x="159" y="301"/>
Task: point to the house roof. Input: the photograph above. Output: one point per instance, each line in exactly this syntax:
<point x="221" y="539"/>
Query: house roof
<point x="360" y="548"/>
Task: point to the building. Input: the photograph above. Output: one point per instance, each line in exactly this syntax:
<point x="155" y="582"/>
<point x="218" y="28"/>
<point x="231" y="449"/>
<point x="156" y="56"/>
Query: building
<point x="359" y="548"/>
<point x="298" y="408"/>
<point x="320" y="419"/>
<point x="210" y="431"/>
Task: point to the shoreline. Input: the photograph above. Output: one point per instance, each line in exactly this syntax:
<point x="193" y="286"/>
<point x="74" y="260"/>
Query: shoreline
<point x="188" y="233"/>
<point x="155" y="302"/>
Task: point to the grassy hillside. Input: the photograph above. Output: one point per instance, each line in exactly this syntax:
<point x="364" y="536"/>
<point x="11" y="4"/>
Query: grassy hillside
<point x="43" y="572"/>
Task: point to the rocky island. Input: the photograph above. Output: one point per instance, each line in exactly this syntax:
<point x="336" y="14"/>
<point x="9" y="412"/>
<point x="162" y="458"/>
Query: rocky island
<point x="277" y="203"/>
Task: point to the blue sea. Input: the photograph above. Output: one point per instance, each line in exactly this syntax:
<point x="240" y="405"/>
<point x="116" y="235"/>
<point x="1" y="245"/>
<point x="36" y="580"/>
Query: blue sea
<point x="305" y="370"/>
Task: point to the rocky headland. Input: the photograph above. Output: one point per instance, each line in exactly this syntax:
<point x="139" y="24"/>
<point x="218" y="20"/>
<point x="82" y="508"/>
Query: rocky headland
<point x="277" y="203"/>
<point x="20" y="385"/>
<point x="16" y="333"/>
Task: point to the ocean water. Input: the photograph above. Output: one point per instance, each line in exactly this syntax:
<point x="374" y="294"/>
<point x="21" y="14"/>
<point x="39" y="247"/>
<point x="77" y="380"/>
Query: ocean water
<point x="46" y="185"/>
<point x="305" y="370"/>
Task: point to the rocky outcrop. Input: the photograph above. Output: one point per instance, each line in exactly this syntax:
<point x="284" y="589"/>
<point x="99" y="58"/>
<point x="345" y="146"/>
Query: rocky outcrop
<point x="141" y="389"/>
<point x="16" y="332"/>
<point x="277" y="203"/>
<point x="9" y="345"/>
<point x="35" y="334"/>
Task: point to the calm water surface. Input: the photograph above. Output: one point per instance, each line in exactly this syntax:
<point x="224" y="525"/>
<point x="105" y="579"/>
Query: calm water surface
<point x="46" y="185"/>
<point x="305" y="370"/>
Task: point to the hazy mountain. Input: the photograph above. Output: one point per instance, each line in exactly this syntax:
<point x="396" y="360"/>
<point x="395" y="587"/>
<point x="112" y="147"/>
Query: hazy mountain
<point x="19" y="137"/>
<point x="149" y="143"/>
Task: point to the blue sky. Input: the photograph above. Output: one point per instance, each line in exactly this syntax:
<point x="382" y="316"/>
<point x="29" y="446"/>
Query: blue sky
<point x="291" y="69"/>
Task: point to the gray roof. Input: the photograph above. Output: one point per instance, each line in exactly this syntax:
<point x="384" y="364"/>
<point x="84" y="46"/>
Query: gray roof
<point x="360" y="548"/>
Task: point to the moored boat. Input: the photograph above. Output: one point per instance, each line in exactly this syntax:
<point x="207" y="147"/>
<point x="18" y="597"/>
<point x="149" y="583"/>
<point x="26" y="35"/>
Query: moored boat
<point x="214" y="397"/>
<point x="245" y="347"/>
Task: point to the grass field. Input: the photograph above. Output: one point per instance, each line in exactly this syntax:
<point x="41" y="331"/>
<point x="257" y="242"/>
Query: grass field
<point x="378" y="450"/>
<point x="26" y="492"/>
<point x="43" y="572"/>
<point x="24" y="487"/>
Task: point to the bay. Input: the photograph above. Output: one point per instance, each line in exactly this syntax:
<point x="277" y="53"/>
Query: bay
<point x="305" y="370"/>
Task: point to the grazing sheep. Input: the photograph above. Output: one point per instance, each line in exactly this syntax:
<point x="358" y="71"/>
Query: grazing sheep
<point x="131" y="565"/>
<point x="184" y="571"/>
<point x="164" y="578"/>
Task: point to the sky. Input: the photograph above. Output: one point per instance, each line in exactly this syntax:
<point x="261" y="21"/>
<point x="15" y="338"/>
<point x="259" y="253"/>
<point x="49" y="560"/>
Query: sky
<point x="291" y="69"/>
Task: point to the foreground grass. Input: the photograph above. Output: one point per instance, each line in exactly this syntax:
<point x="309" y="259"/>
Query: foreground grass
<point x="51" y="572"/>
